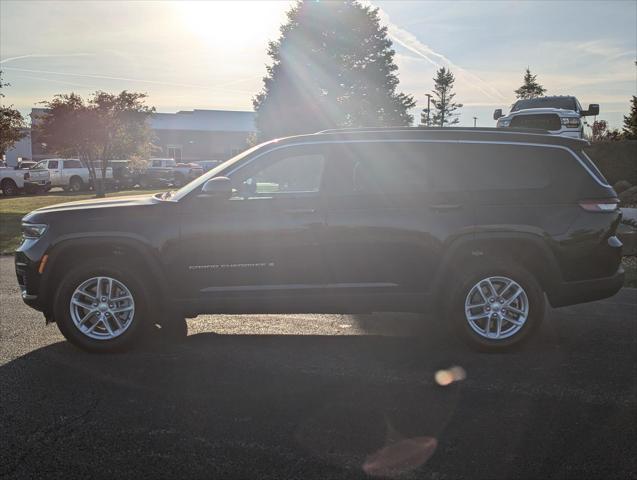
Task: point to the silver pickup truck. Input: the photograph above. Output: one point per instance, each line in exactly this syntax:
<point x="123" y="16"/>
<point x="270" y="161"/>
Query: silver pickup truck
<point x="14" y="180"/>
<point x="70" y="174"/>
<point x="560" y="115"/>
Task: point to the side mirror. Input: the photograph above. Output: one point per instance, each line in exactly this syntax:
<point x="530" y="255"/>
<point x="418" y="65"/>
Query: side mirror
<point x="593" y="110"/>
<point x="497" y="114"/>
<point x="217" y="187"/>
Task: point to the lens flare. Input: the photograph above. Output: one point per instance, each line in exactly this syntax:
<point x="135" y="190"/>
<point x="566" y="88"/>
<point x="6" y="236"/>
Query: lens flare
<point x="450" y="375"/>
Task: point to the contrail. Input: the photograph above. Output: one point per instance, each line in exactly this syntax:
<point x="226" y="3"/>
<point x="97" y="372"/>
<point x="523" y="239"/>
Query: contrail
<point x="409" y="41"/>
<point x="44" y="55"/>
<point x="125" y="79"/>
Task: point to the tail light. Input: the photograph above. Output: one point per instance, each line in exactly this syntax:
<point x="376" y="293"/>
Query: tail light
<point x="600" y="205"/>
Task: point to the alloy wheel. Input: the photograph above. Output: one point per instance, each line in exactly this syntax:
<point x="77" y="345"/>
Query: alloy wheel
<point x="496" y="308"/>
<point x="102" y="308"/>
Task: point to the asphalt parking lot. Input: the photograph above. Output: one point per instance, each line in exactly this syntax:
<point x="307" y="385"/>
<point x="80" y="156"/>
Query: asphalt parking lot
<point x="321" y="396"/>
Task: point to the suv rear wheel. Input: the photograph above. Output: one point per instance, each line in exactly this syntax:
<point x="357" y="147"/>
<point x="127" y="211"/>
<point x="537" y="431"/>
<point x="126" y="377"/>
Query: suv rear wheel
<point x="495" y="307"/>
<point x="101" y="306"/>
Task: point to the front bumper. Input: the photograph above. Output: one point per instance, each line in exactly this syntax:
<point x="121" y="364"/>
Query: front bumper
<point x="583" y="291"/>
<point x="28" y="280"/>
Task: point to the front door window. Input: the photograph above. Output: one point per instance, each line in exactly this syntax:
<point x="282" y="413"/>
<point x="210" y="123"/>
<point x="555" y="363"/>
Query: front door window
<point x="284" y="173"/>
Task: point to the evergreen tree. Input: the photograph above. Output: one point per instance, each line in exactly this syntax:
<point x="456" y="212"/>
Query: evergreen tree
<point x="530" y="88"/>
<point x="444" y="108"/>
<point x="333" y="66"/>
<point x="630" y="121"/>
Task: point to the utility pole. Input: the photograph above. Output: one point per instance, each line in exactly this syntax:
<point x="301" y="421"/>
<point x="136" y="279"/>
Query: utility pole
<point x="475" y="119"/>
<point x="428" y="95"/>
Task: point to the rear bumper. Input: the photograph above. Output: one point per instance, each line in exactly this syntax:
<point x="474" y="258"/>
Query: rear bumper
<point x="571" y="293"/>
<point x="37" y="183"/>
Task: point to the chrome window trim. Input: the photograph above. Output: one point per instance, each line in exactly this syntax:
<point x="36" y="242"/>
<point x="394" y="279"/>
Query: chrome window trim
<point x="598" y="170"/>
<point x="395" y="140"/>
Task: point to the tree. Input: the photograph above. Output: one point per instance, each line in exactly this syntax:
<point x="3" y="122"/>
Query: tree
<point x="103" y="128"/>
<point x="630" y="121"/>
<point x="601" y="133"/>
<point x="333" y="66"/>
<point x="12" y="124"/>
<point x="442" y="101"/>
<point x="530" y="87"/>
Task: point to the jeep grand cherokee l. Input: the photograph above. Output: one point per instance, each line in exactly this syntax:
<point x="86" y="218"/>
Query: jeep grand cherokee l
<point x="482" y="224"/>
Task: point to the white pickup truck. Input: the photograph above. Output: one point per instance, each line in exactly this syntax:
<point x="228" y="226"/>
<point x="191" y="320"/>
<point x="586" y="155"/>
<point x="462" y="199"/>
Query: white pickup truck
<point x="560" y="115"/>
<point x="70" y="174"/>
<point x="13" y="180"/>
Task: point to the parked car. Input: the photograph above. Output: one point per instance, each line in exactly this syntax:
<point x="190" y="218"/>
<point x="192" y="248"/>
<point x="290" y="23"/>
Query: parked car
<point x="123" y="176"/>
<point x="158" y="173"/>
<point x="165" y="171"/>
<point x="477" y="225"/>
<point x="71" y="175"/>
<point x="185" y="172"/>
<point x="208" y="164"/>
<point x="14" y="180"/>
<point x="560" y="115"/>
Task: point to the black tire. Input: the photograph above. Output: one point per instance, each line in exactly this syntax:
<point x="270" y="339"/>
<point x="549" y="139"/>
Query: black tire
<point x="76" y="184"/>
<point x="145" y="183"/>
<point x="9" y="188"/>
<point x="119" y="271"/>
<point x="461" y="286"/>
<point x="179" y="180"/>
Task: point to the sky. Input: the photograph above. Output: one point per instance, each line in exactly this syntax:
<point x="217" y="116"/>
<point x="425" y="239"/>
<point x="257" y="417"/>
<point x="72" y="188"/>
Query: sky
<point x="212" y="55"/>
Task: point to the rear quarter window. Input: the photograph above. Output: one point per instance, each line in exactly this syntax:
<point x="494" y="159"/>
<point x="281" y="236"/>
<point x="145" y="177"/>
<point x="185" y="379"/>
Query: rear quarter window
<point x="480" y="167"/>
<point x="592" y="168"/>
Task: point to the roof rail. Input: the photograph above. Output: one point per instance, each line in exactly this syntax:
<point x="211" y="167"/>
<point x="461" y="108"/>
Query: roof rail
<point x="433" y="129"/>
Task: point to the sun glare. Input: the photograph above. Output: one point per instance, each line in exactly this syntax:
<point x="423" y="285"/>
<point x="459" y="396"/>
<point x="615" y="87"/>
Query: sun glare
<point x="233" y="25"/>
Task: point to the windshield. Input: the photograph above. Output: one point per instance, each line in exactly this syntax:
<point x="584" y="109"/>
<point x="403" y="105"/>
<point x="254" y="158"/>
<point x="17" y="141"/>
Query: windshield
<point x="565" y="103"/>
<point x="199" y="181"/>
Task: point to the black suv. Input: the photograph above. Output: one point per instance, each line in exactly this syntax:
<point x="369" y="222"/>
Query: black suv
<point x="483" y="224"/>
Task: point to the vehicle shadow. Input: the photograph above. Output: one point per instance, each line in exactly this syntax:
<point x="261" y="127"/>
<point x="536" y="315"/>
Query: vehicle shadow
<point x="308" y="406"/>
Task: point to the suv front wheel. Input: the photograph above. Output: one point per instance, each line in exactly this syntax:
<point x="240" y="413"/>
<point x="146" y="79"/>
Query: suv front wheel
<point x="101" y="306"/>
<point x="496" y="307"/>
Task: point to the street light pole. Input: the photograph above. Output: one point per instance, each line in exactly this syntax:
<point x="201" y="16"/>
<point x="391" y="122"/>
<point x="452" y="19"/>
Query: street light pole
<point x="428" y="95"/>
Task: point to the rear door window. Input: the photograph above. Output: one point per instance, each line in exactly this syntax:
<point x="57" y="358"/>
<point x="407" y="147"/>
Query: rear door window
<point x="72" y="164"/>
<point x="391" y="168"/>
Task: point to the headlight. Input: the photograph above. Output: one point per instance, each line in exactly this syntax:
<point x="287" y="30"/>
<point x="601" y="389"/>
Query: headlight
<point x="503" y="123"/>
<point x="33" y="230"/>
<point x="570" y="122"/>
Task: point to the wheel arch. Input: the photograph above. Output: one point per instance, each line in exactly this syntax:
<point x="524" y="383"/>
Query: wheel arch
<point x="527" y="249"/>
<point x="8" y="181"/>
<point x="71" y="251"/>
